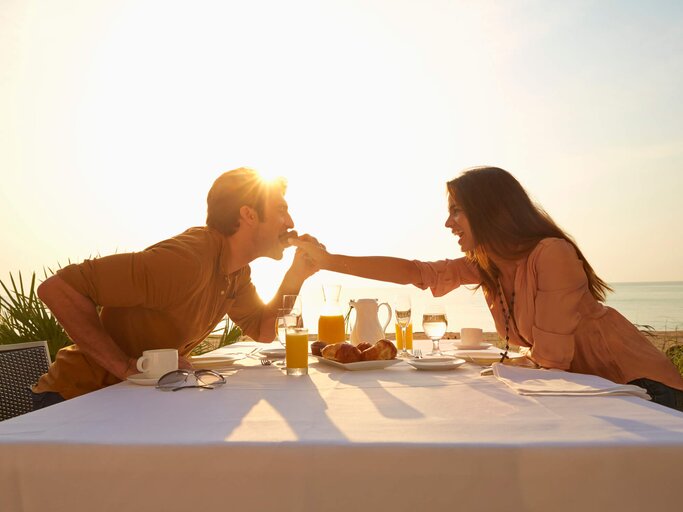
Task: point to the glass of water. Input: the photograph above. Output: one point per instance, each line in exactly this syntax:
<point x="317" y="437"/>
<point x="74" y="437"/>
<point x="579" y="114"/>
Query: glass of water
<point x="284" y="320"/>
<point x="292" y="303"/>
<point x="434" y="323"/>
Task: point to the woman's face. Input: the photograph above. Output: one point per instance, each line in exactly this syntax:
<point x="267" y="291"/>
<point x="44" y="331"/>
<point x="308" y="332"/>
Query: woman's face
<point x="459" y="225"/>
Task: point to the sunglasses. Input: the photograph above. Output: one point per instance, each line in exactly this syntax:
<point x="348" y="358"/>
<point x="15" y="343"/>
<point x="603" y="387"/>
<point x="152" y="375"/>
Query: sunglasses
<point x="186" y="379"/>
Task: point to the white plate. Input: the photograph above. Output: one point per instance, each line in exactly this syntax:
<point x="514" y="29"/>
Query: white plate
<point x="436" y="363"/>
<point x="484" y="357"/>
<point x="360" y="365"/>
<point x="272" y="353"/>
<point x="208" y="361"/>
<point x="460" y="346"/>
<point x="141" y="380"/>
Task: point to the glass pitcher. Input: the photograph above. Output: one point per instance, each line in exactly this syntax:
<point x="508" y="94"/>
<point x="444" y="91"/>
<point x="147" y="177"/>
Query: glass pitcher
<point x="331" y="322"/>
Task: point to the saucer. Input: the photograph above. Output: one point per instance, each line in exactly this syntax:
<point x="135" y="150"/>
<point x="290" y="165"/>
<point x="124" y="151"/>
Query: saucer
<point x="435" y="363"/>
<point x="210" y="362"/>
<point x="459" y="345"/>
<point x="141" y="380"/>
<point x="273" y="353"/>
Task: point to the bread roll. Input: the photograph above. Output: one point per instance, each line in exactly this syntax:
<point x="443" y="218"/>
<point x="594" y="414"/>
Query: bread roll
<point x="342" y="353"/>
<point x="316" y="348"/>
<point x="383" y="349"/>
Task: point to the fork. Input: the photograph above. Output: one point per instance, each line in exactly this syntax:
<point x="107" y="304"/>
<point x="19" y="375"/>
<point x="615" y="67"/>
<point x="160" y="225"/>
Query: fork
<point x="265" y="361"/>
<point x="417" y="353"/>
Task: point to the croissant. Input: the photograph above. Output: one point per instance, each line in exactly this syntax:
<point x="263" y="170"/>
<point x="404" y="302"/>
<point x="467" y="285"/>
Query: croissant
<point x="363" y="345"/>
<point x="342" y="353"/>
<point x="383" y="349"/>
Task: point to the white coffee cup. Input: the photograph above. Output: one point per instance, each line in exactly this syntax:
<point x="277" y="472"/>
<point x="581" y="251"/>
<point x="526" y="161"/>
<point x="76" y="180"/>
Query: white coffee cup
<point x="471" y="336"/>
<point x="154" y="363"/>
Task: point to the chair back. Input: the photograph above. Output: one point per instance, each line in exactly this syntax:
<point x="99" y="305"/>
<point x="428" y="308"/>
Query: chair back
<point x="21" y="365"/>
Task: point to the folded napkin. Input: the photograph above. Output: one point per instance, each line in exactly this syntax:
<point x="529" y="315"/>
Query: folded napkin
<point x="529" y="381"/>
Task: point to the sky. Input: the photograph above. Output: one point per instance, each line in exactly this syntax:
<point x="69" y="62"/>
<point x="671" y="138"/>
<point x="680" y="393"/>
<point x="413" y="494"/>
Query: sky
<point x="117" y="115"/>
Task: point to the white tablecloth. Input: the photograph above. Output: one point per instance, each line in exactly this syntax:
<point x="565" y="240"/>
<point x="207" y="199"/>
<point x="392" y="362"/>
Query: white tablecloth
<point x="393" y="439"/>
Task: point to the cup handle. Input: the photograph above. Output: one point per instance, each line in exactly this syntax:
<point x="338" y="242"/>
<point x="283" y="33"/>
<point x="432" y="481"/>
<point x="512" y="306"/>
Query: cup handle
<point x="141" y="364"/>
<point x="384" y="327"/>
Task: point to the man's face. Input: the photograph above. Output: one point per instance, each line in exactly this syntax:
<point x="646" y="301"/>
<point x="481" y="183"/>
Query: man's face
<point x="275" y="223"/>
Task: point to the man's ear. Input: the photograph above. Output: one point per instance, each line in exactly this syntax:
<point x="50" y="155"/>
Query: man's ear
<point x="248" y="215"/>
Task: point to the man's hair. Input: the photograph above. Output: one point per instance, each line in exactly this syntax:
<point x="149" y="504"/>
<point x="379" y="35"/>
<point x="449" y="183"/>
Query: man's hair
<point x="234" y="189"/>
<point x="505" y="221"/>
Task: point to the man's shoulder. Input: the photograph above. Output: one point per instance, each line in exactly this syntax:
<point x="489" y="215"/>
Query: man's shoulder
<point x="193" y="239"/>
<point x="193" y="246"/>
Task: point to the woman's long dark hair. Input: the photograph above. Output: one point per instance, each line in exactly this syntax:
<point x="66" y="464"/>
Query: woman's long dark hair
<point x="505" y="222"/>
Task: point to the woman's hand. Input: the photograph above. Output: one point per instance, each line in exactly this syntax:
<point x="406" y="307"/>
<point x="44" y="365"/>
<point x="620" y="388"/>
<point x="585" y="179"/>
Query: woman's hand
<point x="309" y="254"/>
<point x="310" y="250"/>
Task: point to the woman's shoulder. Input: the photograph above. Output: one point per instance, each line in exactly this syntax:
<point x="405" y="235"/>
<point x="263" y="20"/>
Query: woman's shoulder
<point x="556" y="261"/>
<point x="552" y="246"/>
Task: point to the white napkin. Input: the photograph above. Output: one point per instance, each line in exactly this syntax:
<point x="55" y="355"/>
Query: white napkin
<point x="529" y="381"/>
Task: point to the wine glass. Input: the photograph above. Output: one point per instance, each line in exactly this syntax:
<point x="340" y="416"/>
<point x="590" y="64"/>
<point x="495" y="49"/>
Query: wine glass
<point x="292" y="303"/>
<point x="434" y="323"/>
<point x="402" y="311"/>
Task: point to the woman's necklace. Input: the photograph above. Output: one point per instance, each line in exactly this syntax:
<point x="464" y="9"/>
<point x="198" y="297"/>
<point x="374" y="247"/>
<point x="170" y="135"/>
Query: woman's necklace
<point x="507" y="314"/>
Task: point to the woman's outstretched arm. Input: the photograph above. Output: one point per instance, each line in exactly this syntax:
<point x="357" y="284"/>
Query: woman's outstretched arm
<point x="380" y="268"/>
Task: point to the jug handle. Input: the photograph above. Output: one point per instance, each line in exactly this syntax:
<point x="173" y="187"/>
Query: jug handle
<point x="384" y="327"/>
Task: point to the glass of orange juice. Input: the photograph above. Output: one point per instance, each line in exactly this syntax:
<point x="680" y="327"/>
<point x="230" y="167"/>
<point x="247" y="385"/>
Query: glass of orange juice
<point x="409" y="337"/>
<point x="296" y="351"/>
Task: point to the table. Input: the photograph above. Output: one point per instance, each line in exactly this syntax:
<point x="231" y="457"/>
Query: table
<point x="393" y="439"/>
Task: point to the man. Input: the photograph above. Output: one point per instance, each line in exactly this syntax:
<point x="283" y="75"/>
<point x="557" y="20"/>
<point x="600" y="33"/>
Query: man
<point x="172" y="294"/>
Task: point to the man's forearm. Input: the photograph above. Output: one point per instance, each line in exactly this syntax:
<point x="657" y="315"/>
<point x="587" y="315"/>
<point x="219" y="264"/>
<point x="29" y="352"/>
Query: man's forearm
<point x="78" y="316"/>
<point x="291" y="285"/>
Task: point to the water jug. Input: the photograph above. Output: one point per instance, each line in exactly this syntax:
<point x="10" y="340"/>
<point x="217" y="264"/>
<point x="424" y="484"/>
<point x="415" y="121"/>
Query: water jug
<point x="367" y="326"/>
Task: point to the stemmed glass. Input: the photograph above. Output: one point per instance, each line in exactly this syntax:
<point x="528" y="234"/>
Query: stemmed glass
<point x="434" y="323"/>
<point x="402" y="311"/>
<point x="292" y="303"/>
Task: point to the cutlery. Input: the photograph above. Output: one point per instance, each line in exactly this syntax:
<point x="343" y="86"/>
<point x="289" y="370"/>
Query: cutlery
<point x="417" y="353"/>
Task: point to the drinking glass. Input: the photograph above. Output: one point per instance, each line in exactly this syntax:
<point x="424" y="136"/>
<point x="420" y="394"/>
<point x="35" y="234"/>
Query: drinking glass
<point x="292" y="303"/>
<point x="434" y="323"/>
<point x="402" y="311"/>
<point x="283" y="320"/>
<point x="296" y="351"/>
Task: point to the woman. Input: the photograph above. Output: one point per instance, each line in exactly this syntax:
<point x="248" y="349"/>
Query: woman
<point x="542" y="292"/>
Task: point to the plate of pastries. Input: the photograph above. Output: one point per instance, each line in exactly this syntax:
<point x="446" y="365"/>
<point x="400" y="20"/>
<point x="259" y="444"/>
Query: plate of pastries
<point x="364" y="356"/>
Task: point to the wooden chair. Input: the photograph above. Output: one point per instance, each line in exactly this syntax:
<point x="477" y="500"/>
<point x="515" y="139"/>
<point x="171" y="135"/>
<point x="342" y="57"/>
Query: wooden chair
<point x="21" y="365"/>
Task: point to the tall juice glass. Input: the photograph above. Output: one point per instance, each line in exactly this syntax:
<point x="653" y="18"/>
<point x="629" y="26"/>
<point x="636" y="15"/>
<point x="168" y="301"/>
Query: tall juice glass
<point x="331" y="327"/>
<point x="409" y="337"/>
<point x="296" y="351"/>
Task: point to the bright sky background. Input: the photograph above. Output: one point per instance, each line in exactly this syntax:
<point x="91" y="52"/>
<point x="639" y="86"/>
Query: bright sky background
<point x="116" y="116"/>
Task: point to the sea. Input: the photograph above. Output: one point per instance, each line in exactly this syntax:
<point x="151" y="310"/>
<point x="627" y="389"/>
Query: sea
<point x="656" y="304"/>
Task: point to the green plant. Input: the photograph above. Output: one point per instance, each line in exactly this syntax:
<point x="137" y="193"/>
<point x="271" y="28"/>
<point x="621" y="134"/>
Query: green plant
<point x="231" y="333"/>
<point x="675" y="353"/>
<point x="24" y="317"/>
